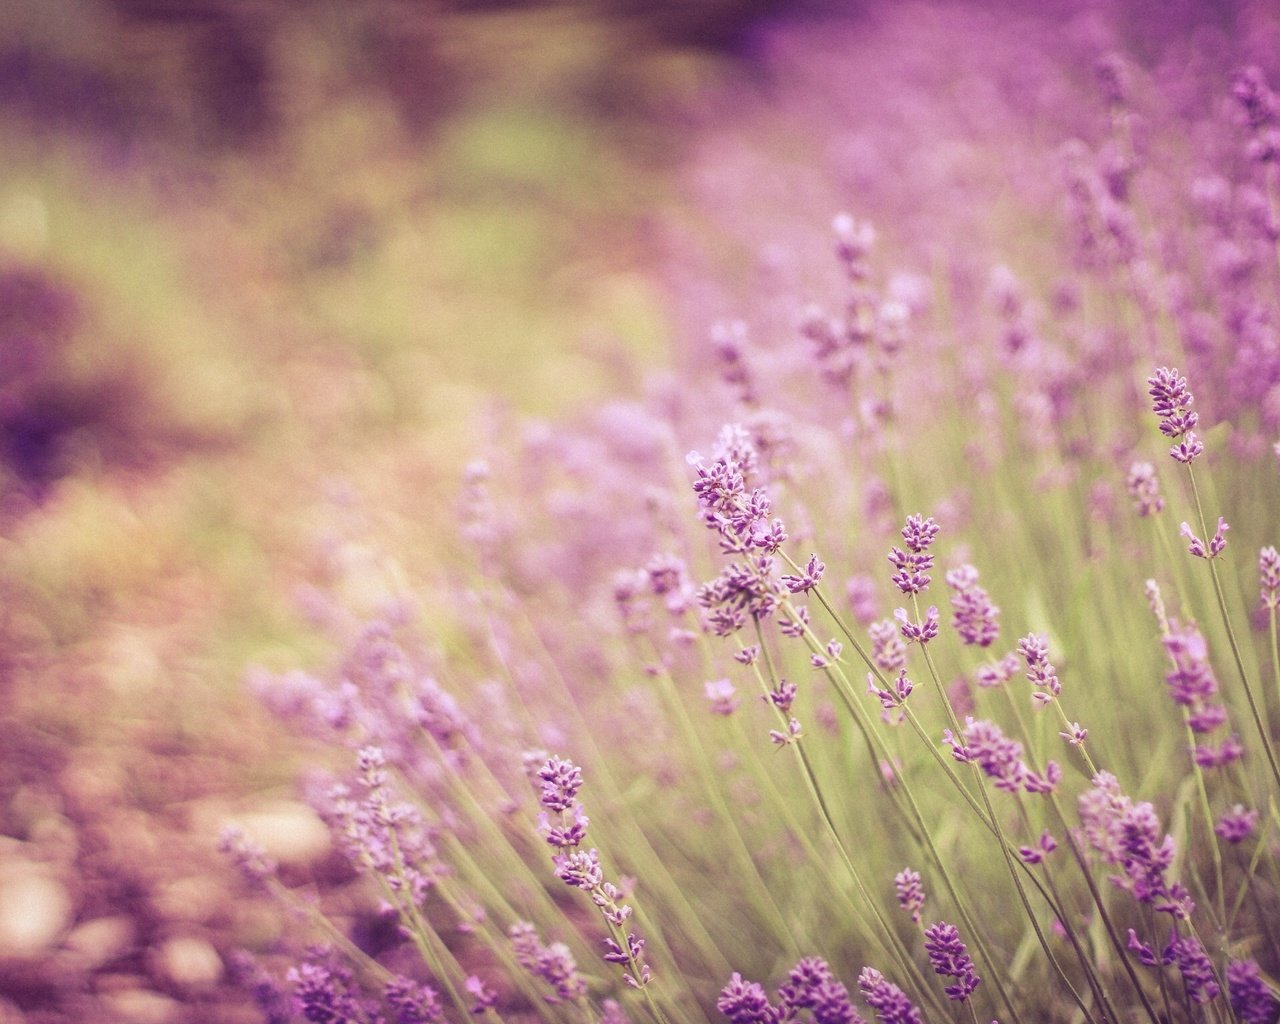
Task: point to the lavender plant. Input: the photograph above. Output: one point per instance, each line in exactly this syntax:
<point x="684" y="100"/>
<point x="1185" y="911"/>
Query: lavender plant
<point x="1096" y="830"/>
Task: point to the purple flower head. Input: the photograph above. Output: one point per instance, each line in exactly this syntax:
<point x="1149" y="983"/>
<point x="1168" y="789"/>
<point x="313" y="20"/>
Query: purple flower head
<point x="918" y="632"/>
<point x="950" y="959"/>
<point x="984" y="743"/>
<point x="890" y="1003"/>
<point x="564" y="834"/>
<point x="721" y="696"/>
<point x="746" y="1002"/>
<point x="1144" y="488"/>
<point x="910" y="892"/>
<point x="249" y="857"/>
<point x="1237" y="824"/>
<point x="1261" y="114"/>
<point x="794" y="732"/>
<point x="482" y="996"/>
<point x="579" y="868"/>
<point x="561" y="780"/>
<point x="808" y="579"/>
<point x="1034" y="649"/>
<point x="811" y="986"/>
<point x="887" y="649"/>
<point x="1045" y="845"/>
<point x="1249" y="995"/>
<point x="1197" y="970"/>
<point x="894" y="698"/>
<point x="1146" y="955"/>
<point x="413" y="1002"/>
<point x="974" y="617"/>
<point x="783" y="696"/>
<point x="324" y="991"/>
<point x="1171" y="400"/>
<point x="999" y="672"/>
<point x="1269" y="577"/>
<point x="638" y="973"/>
<point x="741" y="516"/>
<point x="808" y="974"/>
<point x="1217" y="543"/>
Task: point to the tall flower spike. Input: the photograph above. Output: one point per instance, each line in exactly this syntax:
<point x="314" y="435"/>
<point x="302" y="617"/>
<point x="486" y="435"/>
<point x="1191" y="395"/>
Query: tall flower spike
<point x="1269" y="577"/>
<point x="910" y="893"/>
<point x="1144" y="488"/>
<point x="1171" y="401"/>
<point x="950" y="959"/>
<point x="890" y="1003"/>
<point x="1248" y="993"/>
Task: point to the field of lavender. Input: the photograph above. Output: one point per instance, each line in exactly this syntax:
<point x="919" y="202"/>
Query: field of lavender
<point x="882" y="625"/>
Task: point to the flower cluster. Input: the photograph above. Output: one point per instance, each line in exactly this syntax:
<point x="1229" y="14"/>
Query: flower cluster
<point x="1269" y="577"/>
<point x="950" y="959"/>
<point x="1216" y="545"/>
<point x="984" y="743"/>
<point x="1034" y="649"/>
<point x="387" y="838"/>
<point x="910" y="890"/>
<point x="1249" y="995"/>
<point x="1127" y="835"/>
<point x="554" y="964"/>
<point x="1192" y="686"/>
<point x="810" y="986"/>
<point x="1261" y="112"/>
<point x="563" y="824"/>
<point x="1171" y="401"/>
<point x="1144" y="488"/>
<point x="912" y="566"/>
<point x="890" y="1003"/>
<point x="973" y="615"/>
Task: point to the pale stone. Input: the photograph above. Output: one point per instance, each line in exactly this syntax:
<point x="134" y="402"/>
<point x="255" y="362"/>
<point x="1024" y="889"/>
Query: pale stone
<point x="142" y="1006"/>
<point x="189" y="961"/>
<point x="100" y="941"/>
<point x="290" y="832"/>
<point x="35" y="909"/>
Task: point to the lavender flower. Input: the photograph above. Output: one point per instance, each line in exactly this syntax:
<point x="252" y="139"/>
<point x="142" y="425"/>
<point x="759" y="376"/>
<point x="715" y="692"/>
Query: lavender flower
<point x="746" y="1002"/>
<point x="561" y="781"/>
<point x="247" y="855"/>
<point x="1144" y="488"/>
<point x="918" y="632"/>
<point x="1217" y="543"/>
<point x="1269" y="577"/>
<point x="325" y="991"/>
<point x="891" y="699"/>
<point x="1237" y="824"/>
<point x="1197" y="970"/>
<point x="1000" y="758"/>
<point x="1171" y="401"/>
<point x="413" y="1002"/>
<point x="887" y="649"/>
<point x="913" y="564"/>
<point x="811" y="986"/>
<point x="1249" y="995"/>
<point x="890" y="1003"/>
<point x="999" y="672"/>
<point x="950" y="959"/>
<point x="974" y="617"/>
<point x="1128" y="835"/>
<point x="581" y="869"/>
<point x="482" y="996"/>
<point x="1040" y="672"/>
<point x="808" y="579"/>
<point x="910" y="893"/>
<point x="1261" y="111"/>
<point x="721" y="696"/>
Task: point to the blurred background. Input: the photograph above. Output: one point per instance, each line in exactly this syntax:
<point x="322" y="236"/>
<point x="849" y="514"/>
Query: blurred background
<point x="249" y="249"/>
